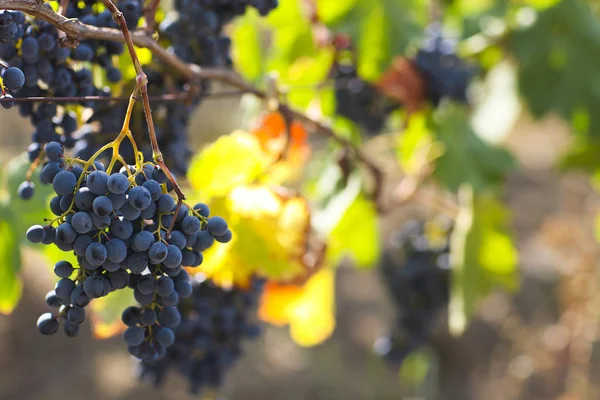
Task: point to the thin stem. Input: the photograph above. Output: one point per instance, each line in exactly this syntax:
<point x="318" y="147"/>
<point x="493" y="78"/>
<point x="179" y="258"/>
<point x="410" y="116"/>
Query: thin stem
<point x="150" y="16"/>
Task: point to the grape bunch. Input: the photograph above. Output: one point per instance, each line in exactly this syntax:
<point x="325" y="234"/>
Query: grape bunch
<point x="126" y="231"/>
<point x="359" y="100"/>
<point x="415" y="271"/>
<point x="208" y="341"/>
<point x="444" y="73"/>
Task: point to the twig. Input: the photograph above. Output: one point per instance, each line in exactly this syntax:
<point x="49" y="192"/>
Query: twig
<point x="77" y="31"/>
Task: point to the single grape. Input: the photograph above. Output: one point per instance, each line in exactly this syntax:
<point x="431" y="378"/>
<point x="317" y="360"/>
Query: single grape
<point x="63" y="269"/>
<point x="165" y="204"/>
<point x="169" y="316"/>
<point x="111" y="266"/>
<point x="102" y="206"/>
<point x="65" y="233"/>
<point x="54" y="150"/>
<point x="76" y="315"/>
<point x="26" y="190"/>
<point x="64" y="287"/>
<point x="142" y="241"/>
<point x="52" y="299"/>
<point x="118" y="183"/>
<point x="36" y="234"/>
<point x="137" y="262"/>
<point x="154" y="188"/>
<point x="204" y="240"/>
<point x="47" y="324"/>
<point x="131" y="316"/>
<point x="84" y="199"/>
<point x="143" y="299"/>
<point x="119" y="279"/>
<point x="121" y="228"/>
<point x="157" y="252"/>
<point x="82" y="222"/>
<point x="139" y="198"/>
<point x="7" y="105"/>
<point x="173" y="258"/>
<point x="217" y="226"/>
<point x="183" y="288"/>
<point x="226" y="238"/>
<point x="94" y="287"/>
<point x="13" y="78"/>
<point x="170" y="300"/>
<point x="97" y="182"/>
<point x="101" y="222"/>
<point x="49" y="171"/>
<point x="165" y="336"/>
<point x="129" y="212"/>
<point x="70" y="329"/>
<point x="190" y="225"/>
<point x="96" y="254"/>
<point x="64" y="183"/>
<point x="146" y="284"/>
<point x="118" y="200"/>
<point x="116" y="250"/>
<point x="148" y="317"/>
<point x="202" y="209"/>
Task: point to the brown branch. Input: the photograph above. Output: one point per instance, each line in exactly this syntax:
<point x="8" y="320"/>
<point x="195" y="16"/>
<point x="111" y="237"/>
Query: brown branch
<point x="76" y="31"/>
<point x="150" y="17"/>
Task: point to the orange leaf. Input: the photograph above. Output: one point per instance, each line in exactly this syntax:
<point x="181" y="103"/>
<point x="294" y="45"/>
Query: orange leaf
<point x="272" y="134"/>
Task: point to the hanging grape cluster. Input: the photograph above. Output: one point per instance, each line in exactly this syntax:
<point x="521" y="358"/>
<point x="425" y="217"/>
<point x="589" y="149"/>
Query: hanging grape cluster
<point x="209" y="338"/>
<point x="126" y="231"/>
<point x="415" y="270"/>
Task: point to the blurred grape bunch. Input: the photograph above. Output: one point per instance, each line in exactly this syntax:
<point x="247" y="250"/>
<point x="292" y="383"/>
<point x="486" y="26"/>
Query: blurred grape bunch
<point x="415" y="270"/>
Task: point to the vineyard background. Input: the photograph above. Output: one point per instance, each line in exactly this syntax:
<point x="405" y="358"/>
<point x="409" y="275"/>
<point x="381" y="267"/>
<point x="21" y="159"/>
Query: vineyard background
<point x="537" y="342"/>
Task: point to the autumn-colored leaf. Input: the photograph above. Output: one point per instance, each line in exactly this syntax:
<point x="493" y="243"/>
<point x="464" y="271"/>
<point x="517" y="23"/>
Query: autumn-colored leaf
<point x="308" y="308"/>
<point x="272" y="132"/>
<point x="403" y="83"/>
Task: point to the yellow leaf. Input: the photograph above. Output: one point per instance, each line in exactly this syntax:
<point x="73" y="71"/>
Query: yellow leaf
<point x="269" y="236"/>
<point x="232" y="160"/>
<point x="308" y="309"/>
<point x="312" y="318"/>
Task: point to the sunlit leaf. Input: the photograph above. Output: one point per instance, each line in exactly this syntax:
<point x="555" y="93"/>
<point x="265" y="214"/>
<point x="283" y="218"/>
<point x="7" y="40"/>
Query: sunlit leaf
<point x="246" y="46"/>
<point x="483" y="255"/>
<point x="269" y="236"/>
<point x="232" y="160"/>
<point x="309" y="309"/>
<point x="10" y="263"/>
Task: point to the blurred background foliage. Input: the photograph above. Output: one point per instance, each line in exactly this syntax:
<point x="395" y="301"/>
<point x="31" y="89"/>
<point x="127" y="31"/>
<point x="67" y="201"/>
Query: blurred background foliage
<point x="515" y="168"/>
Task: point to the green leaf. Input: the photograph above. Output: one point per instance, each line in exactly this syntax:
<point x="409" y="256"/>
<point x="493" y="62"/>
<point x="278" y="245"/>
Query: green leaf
<point x="351" y="224"/>
<point x="482" y="255"/>
<point x="467" y="158"/>
<point x="246" y="46"/>
<point x="381" y="29"/>
<point x="558" y="58"/>
<point x="26" y="212"/>
<point x="10" y="262"/>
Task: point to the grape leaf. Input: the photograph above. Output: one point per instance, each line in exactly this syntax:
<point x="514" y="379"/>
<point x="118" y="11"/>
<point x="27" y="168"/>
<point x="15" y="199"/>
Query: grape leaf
<point x="10" y="262"/>
<point x="230" y="161"/>
<point x="482" y="255"/>
<point x="350" y="223"/>
<point x="466" y="157"/>
<point x="558" y="57"/>
<point x="269" y="236"/>
<point x="246" y="48"/>
<point x="309" y="309"/>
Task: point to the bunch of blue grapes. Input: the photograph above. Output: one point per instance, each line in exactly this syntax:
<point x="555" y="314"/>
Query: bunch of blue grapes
<point x="445" y="74"/>
<point x="209" y="338"/>
<point x="125" y="231"/>
<point x="415" y="270"/>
